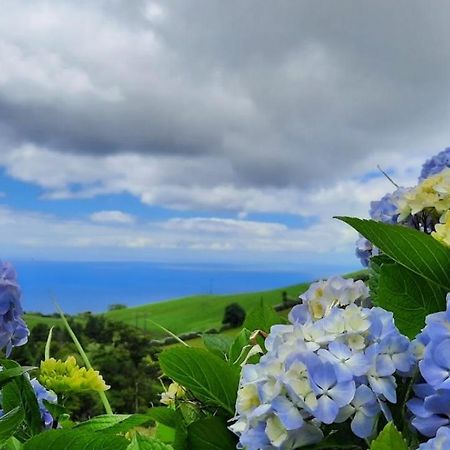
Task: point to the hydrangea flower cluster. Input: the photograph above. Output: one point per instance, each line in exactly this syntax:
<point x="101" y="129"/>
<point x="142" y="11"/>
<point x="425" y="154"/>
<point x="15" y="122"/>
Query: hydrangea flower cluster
<point x="431" y="193"/>
<point x="442" y="229"/>
<point x="67" y="376"/>
<point x="431" y="405"/>
<point x="440" y="442"/>
<point x="424" y="207"/>
<point x="383" y="210"/>
<point x="174" y="392"/>
<point x="436" y="164"/>
<point x="334" y="362"/>
<point x="41" y="395"/>
<point x="13" y="330"/>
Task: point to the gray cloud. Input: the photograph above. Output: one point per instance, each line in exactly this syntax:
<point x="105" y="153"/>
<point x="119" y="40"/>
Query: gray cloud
<point x="258" y="94"/>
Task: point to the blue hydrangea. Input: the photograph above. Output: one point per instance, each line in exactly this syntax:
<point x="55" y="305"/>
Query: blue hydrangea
<point x="364" y="250"/>
<point x="431" y="405"/>
<point x="336" y="361"/>
<point x="41" y="395"/>
<point x="440" y="442"/>
<point x="384" y="210"/>
<point x="436" y="164"/>
<point x="13" y="330"/>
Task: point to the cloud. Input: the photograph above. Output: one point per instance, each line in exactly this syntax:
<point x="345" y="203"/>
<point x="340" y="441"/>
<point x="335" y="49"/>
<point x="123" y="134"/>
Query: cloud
<point x="48" y="237"/>
<point x="225" y="226"/>
<point x="268" y="102"/>
<point x="289" y="113"/>
<point x="112" y="217"/>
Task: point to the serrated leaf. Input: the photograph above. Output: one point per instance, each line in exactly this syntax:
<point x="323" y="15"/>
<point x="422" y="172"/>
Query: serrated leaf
<point x="113" y="424"/>
<point x="12" y="444"/>
<point x="262" y="318"/>
<point x="410" y="248"/>
<point x="242" y="340"/>
<point x="211" y="434"/>
<point x="147" y="443"/>
<point x="76" y="440"/>
<point x="410" y="297"/>
<point x="9" y="423"/>
<point x="6" y="375"/>
<point x="166" y="416"/>
<point x="218" y="343"/>
<point x="20" y="392"/>
<point x="207" y="376"/>
<point x="389" y="438"/>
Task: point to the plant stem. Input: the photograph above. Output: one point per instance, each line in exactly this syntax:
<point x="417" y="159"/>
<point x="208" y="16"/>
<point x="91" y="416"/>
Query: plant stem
<point x="47" y="344"/>
<point x="85" y="358"/>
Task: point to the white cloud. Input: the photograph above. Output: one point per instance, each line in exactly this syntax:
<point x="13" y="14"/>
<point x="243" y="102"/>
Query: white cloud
<point x="225" y="226"/>
<point x="198" y="183"/>
<point x="112" y="217"/>
<point x="45" y="236"/>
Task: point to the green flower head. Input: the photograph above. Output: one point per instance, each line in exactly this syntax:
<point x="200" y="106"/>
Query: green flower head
<point x="67" y="376"/>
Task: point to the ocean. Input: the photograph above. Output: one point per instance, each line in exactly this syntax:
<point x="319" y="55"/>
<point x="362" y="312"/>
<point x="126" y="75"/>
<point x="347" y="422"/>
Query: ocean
<point x="93" y="286"/>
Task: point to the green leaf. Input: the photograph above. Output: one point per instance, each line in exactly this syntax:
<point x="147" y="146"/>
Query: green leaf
<point x="389" y="438"/>
<point x="9" y="423"/>
<point x="147" y="443"/>
<point x="218" y="343"/>
<point x="12" y="444"/>
<point x="6" y="375"/>
<point x="166" y="416"/>
<point x="237" y="353"/>
<point x="118" y="423"/>
<point x="262" y="318"/>
<point x="19" y="392"/>
<point x="412" y="249"/>
<point x="208" y="377"/>
<point x="76" y="440"/>
<point x="211" y="434"/>
<point x="410" y="297"/>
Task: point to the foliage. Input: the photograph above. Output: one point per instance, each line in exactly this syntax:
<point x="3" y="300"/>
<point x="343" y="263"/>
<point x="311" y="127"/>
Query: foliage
<point x="234" y="315"/>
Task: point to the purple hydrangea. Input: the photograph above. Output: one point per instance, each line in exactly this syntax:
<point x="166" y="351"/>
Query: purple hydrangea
<point x="436" y="164"/>
<point x="13" y="330"/>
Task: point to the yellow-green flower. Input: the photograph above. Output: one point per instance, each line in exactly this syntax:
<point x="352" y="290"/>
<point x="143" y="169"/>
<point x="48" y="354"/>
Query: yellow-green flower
<point x="174" y="392"/>
<point x="433" y="192"/>
<point x="67" y="376"/>
<point x="442" y="232"/>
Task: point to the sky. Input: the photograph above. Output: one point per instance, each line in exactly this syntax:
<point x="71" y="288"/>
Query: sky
<point x="225" y="132"/>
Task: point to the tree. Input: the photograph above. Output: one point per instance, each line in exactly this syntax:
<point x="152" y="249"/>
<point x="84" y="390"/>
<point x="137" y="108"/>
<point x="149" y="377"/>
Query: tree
<point x="116" y="306"/>
<point x="234" y="315"/>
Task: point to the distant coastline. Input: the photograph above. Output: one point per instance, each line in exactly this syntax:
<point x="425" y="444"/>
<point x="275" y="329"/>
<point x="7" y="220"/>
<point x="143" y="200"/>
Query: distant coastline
<point x="93" y="286"/>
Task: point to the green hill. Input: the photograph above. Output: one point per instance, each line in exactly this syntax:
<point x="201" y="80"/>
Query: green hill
<point x="196" y="313"/>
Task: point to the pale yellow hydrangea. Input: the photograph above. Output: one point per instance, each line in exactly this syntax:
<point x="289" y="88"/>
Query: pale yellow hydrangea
<point x="174" y="392"/>
<point x="442" y="232"/>
<point x="434" y="192"/>
<point x="67" y="376"/>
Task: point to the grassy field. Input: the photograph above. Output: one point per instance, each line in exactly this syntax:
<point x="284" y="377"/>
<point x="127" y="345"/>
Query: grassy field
<point x="195" y="313"/>
<point x="33" y="319"/>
